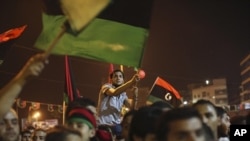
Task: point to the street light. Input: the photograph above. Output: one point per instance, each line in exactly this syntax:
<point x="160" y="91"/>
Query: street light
<point x="36" y="115"/>
<point x="185" y="102"/>
<point x="207" y="82"/>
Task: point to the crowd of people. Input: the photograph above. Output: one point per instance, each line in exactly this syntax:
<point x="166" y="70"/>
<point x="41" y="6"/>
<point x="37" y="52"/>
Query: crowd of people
<point x="87" y="121"/>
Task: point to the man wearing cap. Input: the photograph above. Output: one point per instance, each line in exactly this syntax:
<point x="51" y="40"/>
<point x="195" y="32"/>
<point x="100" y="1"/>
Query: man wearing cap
<point x="82" y="120"/>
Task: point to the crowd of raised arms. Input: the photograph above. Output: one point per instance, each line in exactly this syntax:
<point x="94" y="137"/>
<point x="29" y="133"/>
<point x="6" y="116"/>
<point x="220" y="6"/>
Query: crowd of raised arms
<point x="87" y="121"/>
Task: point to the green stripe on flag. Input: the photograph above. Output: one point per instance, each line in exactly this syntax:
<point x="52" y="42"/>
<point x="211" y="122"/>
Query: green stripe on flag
<point x="153" y="99"/>
<point x="102" y="40"/>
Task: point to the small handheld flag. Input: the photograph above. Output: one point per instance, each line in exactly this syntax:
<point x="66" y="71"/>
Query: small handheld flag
<point x="163" y="91"/>
<point x="12" y="34"/>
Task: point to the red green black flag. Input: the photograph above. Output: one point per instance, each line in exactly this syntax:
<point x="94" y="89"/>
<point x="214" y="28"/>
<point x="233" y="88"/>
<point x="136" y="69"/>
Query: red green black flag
<point x="163" y="91"/>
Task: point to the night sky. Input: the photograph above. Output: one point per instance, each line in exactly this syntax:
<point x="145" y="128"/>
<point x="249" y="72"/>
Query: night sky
<point x="188" y="42"/>
<point x="193" y="41"/>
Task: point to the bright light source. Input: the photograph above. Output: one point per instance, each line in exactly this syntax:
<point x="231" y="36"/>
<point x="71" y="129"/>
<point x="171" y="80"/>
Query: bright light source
<point x="185" y="102"/>
<point x="213" y="97"/>
<point x="207" y="82"/>
<point x="36" y="115"/>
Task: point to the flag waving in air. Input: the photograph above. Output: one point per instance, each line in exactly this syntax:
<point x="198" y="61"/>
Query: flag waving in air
<point x="117" y="35"/>
<point x="12" y="34"/>
<point x="163" y="91"/>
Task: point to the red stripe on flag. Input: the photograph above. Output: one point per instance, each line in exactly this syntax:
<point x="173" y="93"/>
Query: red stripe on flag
<point x="166" y="85"/>
<point x="70" y="87"/>
<point x="111" y="69"/>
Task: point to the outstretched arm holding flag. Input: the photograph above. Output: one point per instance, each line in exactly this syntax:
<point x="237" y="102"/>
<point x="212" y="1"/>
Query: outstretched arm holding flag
<point x="112" y="98"/>
<point x="11" y="90"/>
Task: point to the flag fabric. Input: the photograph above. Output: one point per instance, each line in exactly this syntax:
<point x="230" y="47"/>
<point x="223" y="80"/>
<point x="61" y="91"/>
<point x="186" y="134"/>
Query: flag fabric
<point x="71" y="91"/>
<point x="117" y="35"/>
<point x="163" y="91"/>
<point x="11" y="34"/>
<point x="80" y="12"/>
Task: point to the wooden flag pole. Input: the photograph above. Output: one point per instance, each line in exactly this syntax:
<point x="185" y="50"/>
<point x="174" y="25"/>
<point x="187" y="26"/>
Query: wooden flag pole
<point x="52" y="45"/>
<point x="63" y="115"/>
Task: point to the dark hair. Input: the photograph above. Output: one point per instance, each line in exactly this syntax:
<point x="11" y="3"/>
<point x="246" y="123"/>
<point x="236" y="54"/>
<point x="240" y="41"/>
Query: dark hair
<point x="25" y="132"/>
<point x="162" y="125"/>
<point x="111" y="75"/>
<point x="238" y="120"/>
<point x="205" y="102"/>
<point x="143" y="121"/>
<point x="220" y="111"/>
<point x="129" y="113"/>
<point x="30" y="127"/>
<point x="80" y="102"/>
<point x="59" y="133"/>
<point x="162" y="105"/>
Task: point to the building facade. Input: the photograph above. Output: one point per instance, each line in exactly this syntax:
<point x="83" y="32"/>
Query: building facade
<point x="215" y="92"/>
<point x="245" y="80"/>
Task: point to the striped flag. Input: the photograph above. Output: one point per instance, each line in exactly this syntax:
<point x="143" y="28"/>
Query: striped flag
<point x="163" y="91"/>
<point x="111" y="69"/>
<point x="70" y="89"/>
<point x="117" y="35"/>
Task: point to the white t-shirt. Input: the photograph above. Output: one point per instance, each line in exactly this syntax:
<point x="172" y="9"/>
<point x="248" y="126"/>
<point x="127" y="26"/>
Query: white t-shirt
<point x="109" y="107"/>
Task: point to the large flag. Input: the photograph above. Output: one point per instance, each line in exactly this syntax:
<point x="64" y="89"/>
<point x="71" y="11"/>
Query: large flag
<point x="163" y="91"/>
<point x="71" y="91"/>
<point x="117" y="35"/>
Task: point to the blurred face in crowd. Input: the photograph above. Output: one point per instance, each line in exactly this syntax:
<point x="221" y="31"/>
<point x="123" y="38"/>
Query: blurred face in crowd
<point x="209" y="116"/>
<point x="117" y="78"/>
<point x="73" y="137"/>
<point x="85" y="130"/>
<point x="39" y="135"/>
<point x="224" y="128"/>
<point x="125" y="126"/>
<point x="9" y="127"/>
<point x="186" y="130"/>
<point x="26" y="136"/>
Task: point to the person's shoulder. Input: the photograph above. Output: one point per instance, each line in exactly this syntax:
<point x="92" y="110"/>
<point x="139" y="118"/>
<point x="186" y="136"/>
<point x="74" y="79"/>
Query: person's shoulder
<point x="223" y="139"/>
<point x="107" y="85"/>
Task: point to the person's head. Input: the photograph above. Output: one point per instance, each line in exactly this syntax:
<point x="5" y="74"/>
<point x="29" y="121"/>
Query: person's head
<point x="180" y="124"/>
<point x="63" y="133"/>
<point x="238" y="120"/>
<point x="39" y="134"/>
<point x="105" y="133"/>
<point x="26" y="135"/>
<point x="126" y="121"/>
<point x="9" y="126"/>
<point x="83" y="102"/>
<point x="224" y="127"/>
<point x="165" y="106"/>
<point x="142" y="124"/>
<point x="83" y="120"/>
<point x="209" y="114"/>
<point x="31" y="128"/>
<point x="248" y="118"/>
<point x="117" y="77"/>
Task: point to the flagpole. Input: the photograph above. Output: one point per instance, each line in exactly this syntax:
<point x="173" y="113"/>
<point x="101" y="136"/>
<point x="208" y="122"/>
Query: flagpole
<point x="63" y="116"/>
<point x="121" y="68"/>
<point x="52" y="45"/>
<point x="153" y="85"/>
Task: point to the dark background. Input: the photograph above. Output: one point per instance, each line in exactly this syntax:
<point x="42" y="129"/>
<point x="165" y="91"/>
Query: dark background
<point x="189" y="41"/>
